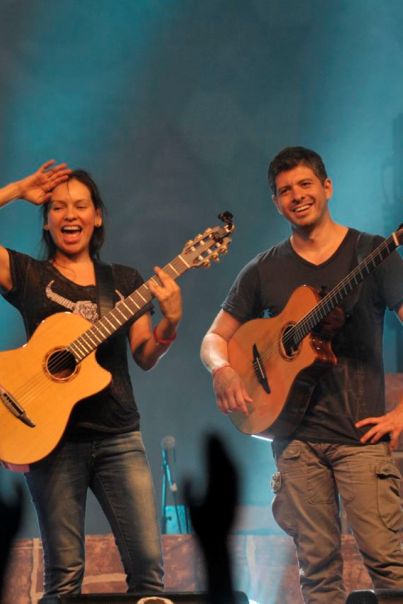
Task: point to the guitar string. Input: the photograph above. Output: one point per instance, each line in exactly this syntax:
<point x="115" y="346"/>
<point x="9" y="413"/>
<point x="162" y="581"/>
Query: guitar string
<point x="36" y="385"/>
<point x="39" y="382"/>
<point x="175" y="268"/>
<point x="213" y="240"/>
<point x="329" y="301"/>
<point x="346" y="285"/>
<point x="341" y="290"/>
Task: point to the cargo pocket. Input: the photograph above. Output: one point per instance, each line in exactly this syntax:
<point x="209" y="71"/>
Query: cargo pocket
<point x="282" y="506"/>
<point x="388" y="491"/>
<point x="282" y="513"/>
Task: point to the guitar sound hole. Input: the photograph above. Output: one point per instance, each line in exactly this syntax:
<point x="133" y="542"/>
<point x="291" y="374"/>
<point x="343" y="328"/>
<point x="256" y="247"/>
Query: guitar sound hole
<point x="61" y="364"/>
<point x="289" y="346"/>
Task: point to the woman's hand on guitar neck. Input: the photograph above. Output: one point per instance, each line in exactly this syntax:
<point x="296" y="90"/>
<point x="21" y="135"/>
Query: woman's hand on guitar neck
<point x="230" y="391"/>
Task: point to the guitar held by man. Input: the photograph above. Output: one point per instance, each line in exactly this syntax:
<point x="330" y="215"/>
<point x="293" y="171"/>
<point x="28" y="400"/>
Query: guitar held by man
<point x="281" y="359"/>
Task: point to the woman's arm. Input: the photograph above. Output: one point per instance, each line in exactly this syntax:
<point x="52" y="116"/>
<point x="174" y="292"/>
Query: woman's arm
<point x="148" y="345"/>
<point x="35" y="188"/>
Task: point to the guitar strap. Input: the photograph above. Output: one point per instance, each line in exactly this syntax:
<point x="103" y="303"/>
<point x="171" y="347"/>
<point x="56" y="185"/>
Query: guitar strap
<point x="363" y="247"/>
<point x="365" y="243"/>
<point x="105" y="287"/>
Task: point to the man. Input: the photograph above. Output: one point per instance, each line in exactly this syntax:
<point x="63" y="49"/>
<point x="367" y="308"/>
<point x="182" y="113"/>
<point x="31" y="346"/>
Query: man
<point x="342" y="445"/>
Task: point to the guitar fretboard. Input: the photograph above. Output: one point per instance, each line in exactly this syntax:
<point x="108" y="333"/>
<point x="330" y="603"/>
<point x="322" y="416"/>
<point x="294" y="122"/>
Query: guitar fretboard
<point x="124" y="310"/>
<point x="296" y="334"/>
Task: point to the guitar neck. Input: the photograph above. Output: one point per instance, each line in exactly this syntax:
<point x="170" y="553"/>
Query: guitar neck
<point x="124" y="310"/>
<point x="344" y="288"/>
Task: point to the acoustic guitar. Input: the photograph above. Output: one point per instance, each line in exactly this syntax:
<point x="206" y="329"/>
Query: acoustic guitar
<point x="41" y="382"/>
<point x="280" y="359"/>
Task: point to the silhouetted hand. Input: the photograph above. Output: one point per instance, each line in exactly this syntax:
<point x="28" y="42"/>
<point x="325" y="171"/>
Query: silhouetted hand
<point x="212" y="518"/>
<point x="11" y="515"/>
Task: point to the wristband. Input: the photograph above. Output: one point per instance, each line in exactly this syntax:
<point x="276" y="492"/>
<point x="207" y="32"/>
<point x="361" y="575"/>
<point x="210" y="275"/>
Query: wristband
<point x="217" y="369"/>
<point x="164" y="342"/>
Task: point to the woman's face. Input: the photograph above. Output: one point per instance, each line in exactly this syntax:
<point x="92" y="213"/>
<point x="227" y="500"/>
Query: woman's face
<point x="72" y="218"/>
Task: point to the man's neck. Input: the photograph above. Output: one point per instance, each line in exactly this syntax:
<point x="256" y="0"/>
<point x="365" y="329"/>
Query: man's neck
<point x="319" y="243"/>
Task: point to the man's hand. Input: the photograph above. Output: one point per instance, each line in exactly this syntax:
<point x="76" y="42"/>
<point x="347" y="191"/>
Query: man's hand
<point x="332" y="323"/>
<point x="37" y="187"/>
<point x="230" y="391"/>
<point x="390" y="423"/>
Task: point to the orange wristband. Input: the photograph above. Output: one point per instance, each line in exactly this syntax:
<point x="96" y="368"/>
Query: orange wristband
<point x="163" y="342"/>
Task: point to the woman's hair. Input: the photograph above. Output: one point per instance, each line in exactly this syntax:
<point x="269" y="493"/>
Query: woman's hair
<point x="98" y="236"/>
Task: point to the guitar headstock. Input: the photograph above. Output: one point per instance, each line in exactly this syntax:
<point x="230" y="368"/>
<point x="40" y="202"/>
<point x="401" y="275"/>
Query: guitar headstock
<point x="399" y="235"/>
<point x="209" y="245"/>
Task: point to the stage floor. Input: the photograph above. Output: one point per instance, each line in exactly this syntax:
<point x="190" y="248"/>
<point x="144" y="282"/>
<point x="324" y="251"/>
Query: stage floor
<point x="265" y="568"/>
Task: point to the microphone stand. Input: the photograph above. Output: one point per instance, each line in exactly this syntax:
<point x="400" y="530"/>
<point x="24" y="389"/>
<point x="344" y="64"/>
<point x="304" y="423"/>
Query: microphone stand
<point x="168" y="483"/>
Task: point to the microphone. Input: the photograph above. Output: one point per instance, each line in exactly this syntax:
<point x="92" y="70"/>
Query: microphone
<point x="168" y="449"/>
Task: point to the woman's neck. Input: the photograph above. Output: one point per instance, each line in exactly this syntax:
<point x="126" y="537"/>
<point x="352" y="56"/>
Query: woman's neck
<point x="79" y="269"/>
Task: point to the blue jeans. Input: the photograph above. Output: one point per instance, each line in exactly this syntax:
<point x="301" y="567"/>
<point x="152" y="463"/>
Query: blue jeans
<point x="116" y="470"/>
<point x="310" y="478"/>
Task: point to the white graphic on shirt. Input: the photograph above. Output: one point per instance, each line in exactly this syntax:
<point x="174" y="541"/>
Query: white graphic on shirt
<point x="85" y="308"/>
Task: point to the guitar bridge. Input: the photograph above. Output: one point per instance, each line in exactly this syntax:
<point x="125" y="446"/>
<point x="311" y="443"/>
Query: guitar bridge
<point x="260" y="371"/>
<point x="15" y="408"/>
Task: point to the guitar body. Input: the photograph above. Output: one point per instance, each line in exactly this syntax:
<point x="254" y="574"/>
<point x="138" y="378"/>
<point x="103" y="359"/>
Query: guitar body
<point x="41" y="382"/>
<point x="290" y="377"/>
<point x="46" y="399"/>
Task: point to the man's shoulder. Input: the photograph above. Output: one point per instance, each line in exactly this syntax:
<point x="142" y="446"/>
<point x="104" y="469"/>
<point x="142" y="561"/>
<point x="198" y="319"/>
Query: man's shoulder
<point x="277" y="251"/>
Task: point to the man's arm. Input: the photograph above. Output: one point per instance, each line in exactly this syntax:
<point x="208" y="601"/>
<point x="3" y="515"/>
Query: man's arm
<point x="390" y="423"/>
<point x="229" y="389"/>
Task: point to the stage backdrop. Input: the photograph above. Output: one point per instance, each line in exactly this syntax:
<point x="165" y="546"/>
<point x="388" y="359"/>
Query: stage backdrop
<point x="176" y="107"/>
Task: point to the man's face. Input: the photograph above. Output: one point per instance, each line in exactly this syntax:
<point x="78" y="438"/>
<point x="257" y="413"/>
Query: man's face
<point x="301" y="197"/>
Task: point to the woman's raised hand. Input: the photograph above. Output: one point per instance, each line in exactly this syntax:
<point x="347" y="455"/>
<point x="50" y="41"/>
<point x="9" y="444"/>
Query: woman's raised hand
<point x="37" y="187"/>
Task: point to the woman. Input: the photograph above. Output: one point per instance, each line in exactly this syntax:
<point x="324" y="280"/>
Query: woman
<point x="102" y="448"/>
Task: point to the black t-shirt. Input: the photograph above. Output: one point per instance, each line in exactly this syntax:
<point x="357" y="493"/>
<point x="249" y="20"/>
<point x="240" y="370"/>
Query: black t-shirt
<point x="40" y="290"/>
<point x="354" y="388"/>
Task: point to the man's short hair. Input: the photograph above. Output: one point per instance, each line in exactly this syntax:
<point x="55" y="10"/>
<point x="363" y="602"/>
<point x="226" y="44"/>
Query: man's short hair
<point x="290" y="158"/>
